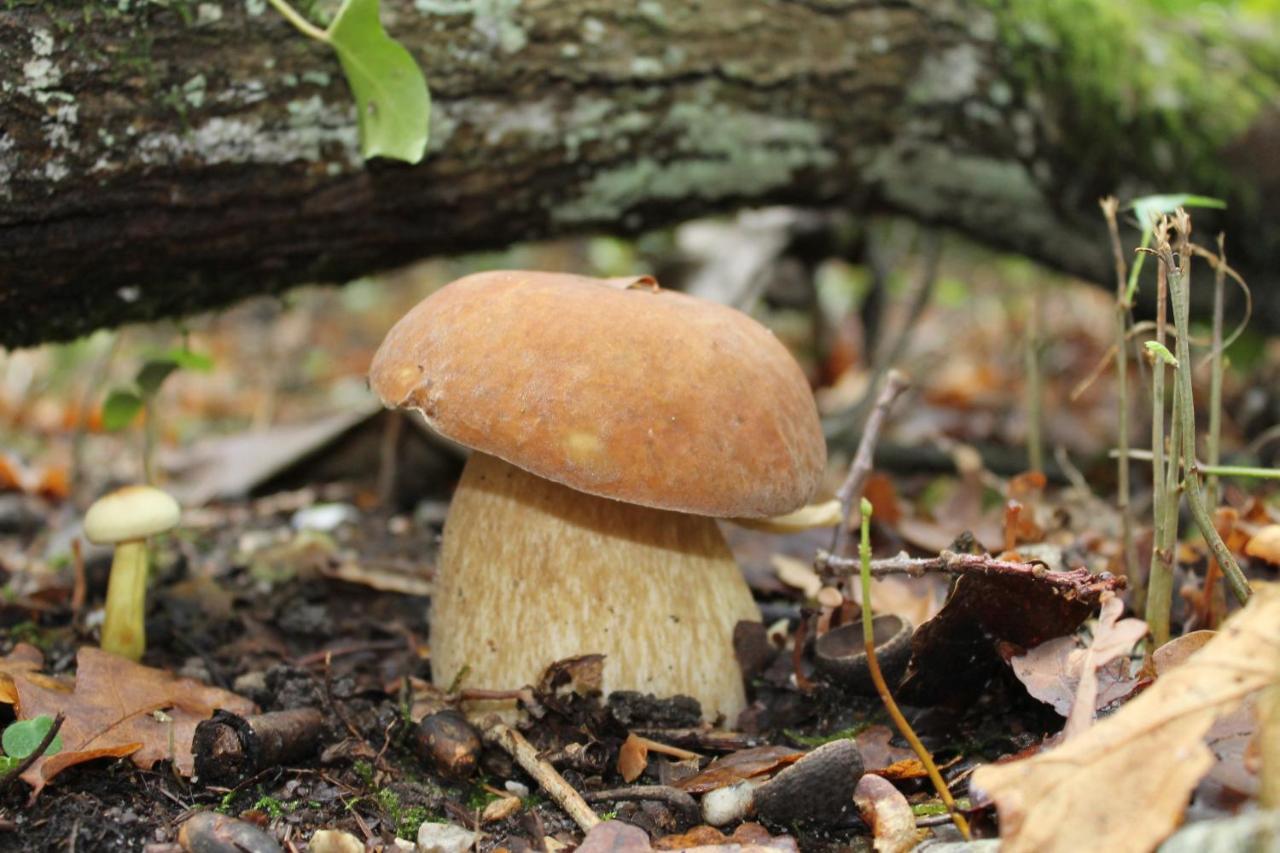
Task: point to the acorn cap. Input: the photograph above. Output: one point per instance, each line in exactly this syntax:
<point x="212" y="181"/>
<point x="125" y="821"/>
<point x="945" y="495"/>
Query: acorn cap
<point x="131" y="512"/>
<point x="613" y="387"/>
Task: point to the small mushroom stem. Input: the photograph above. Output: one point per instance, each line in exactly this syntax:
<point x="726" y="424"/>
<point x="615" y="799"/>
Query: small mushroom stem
<point x="124" y="630"/>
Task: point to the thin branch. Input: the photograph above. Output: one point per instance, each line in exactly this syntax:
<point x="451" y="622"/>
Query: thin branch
<point x="679" y="800"/>
<point x="1226" y="561"/>
<point x="851" y="489"/>
<point x="515" y="745"/>
<point x="1078" y="582"/>
<point x="1130" y="548"/>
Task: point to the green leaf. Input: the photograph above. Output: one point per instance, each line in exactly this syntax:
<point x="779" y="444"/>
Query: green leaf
<point x="392" y="100"/>
<point x="23" y="737"/>
<point x="119" y="409"/>
<point x="1147" y="208"/>
<point x="153" y="373"/>
<point x="1161" y="352"/>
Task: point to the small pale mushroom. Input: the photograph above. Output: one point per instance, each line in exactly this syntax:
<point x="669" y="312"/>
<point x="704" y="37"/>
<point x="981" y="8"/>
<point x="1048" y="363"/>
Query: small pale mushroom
<point x="125" y="518"/>
<point x="611" y="423"/>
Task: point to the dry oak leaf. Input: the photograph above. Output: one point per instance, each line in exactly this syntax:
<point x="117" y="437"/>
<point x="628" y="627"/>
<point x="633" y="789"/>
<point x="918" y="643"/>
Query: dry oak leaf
<point x="1123" y="784"/>
<point x="113" y="712"/>
<point x="24" y="661"/>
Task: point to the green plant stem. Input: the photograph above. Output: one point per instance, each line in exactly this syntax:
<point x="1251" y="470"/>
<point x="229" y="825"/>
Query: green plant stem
<point x="1123" y="503"/>
<point x="303" y="26"/>
<point x="1240" y="471"/>
<point x="1160" y="579"/>
<point x="1182" y="322"/>
<point x="1035" y="395"/>
<point x="124" y="628"/>
<point x="1165" y="539"/>
<point x="873" y="665"/>
<point x="1213" y="439"/>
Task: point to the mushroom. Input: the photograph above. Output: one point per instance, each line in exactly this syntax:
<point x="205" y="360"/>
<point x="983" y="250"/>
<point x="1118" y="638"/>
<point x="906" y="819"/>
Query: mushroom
<point x="611" y="423"/>
<point x="125" y="518"/>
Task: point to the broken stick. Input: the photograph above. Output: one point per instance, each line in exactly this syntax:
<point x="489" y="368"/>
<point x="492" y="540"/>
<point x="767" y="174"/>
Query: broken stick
<point x="514" y="743"/>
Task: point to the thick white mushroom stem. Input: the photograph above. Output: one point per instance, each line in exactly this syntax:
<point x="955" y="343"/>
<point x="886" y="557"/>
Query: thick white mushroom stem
<point x="532" y="572"/>
<point x="124" y="630"/>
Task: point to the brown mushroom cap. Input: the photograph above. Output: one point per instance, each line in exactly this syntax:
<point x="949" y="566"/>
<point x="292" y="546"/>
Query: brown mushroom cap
<point x="611" y="387"/>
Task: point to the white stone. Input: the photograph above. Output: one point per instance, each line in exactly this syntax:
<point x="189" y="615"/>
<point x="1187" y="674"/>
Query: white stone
<point x="445" y="838"/>
<point x="334" y="841"/>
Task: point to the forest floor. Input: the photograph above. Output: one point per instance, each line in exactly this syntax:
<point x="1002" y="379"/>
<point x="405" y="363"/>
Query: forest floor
<point x="301" y="575"/>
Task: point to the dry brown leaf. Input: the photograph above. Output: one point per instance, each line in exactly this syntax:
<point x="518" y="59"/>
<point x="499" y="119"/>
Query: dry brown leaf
<point x="887" y="812"/>
<point x="743" y="764"/>
<point x="122" y="708"/>
<point x="633" y="758"/>
<point x="1113" y="639"/>
<point x="877" y="751"/>
<point x="880" y="491"/>
<point x="1232" y="738"/>
<point x="1175" y="652"/>
<point x="25" y="660"/>
<point x="1123" y="785"/>
<point x="1265" y="544"/>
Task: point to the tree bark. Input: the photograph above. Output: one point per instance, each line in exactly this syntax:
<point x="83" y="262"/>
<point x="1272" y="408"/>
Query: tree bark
<point x="158" y="158"/>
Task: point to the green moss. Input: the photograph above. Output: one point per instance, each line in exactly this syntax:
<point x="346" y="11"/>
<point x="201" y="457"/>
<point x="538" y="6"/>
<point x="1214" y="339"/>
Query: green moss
<point x="722" y="151"/>
<point x="1170" y="78"/>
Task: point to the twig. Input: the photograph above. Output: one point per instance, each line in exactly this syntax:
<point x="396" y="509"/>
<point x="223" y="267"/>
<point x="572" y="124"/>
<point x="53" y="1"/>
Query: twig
<point x="1186" y="402"/>
<point x="515" y="745"/>
<point x="674" y="797"/>
<point x="1212" y="440"/>
<point x="1160" y="579"/>
<point x="7" y="779"/>
<point x="1130" y="548"/>
<point x="886" y="698"/>
<point x="1078" y="582"/>
<point x="851" y="489"/>
<point x="1221" y="470"/>
<point x="1035" y="385"/>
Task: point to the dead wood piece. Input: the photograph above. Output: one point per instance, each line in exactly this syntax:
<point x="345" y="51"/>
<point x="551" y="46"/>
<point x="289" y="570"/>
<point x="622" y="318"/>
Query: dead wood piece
<point x="229" y="748"/>
<point x="851" y="489"/>
<point x="515" y="745"/>
<point x="1077" y="583"/>
<point x="666" y="794"/>
<point x="208" y="832"/>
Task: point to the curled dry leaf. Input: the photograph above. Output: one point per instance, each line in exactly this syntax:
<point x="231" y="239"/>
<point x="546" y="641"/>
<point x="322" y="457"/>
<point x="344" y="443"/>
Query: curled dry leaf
<point x="121" y="708"/>
<point x="1077" y="681"/>
<point x="887" y="812"/>
<point x="1143" y="762"/>
<point x="633" y="758"/>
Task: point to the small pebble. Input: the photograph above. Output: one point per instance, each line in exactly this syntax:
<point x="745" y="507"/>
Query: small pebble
<point x="445" y="838"/>
<point x="324" y="517"/>
<point x="334" y="841"/>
